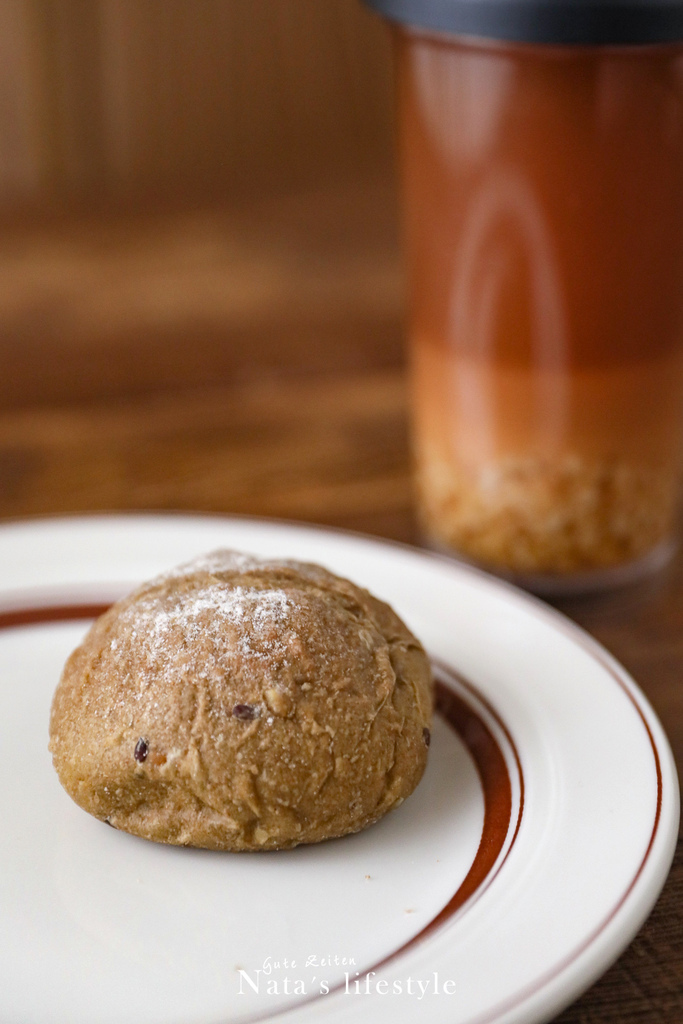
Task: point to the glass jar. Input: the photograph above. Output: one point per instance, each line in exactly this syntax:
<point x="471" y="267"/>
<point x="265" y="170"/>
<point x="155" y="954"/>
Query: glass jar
<point x="543" y="198"/>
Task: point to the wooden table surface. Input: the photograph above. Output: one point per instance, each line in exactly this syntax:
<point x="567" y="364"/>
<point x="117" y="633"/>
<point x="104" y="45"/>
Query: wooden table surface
<point x="253" y="364"/>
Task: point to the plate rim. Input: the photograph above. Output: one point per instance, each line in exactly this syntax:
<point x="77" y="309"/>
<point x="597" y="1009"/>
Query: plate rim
<point x="666" y="768"/>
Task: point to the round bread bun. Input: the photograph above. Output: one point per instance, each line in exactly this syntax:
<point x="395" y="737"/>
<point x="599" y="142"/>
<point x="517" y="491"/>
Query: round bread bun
<point x="237" y="703"/>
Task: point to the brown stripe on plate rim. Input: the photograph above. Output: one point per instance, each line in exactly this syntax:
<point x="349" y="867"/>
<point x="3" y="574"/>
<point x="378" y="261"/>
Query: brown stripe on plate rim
<point x="595" y="651"/>
<point x="35" y="616"/>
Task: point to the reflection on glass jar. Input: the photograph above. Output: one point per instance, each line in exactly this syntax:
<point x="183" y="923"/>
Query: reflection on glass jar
<point x="543" y="188"/>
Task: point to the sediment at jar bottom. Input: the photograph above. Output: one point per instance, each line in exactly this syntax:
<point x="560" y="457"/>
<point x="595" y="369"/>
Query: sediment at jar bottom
<point x="528" y="514"/>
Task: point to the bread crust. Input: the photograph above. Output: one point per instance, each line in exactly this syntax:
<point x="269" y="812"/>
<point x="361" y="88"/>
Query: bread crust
<point x="237" y="703"/>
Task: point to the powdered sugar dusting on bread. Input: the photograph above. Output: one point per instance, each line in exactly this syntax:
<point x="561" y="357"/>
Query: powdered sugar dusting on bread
<point x="231" y="630"/>
<point x="222" y="560"/>
<point x="257" y="620"/>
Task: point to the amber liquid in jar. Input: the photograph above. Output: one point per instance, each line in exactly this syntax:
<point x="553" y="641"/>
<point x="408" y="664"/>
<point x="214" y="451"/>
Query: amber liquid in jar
<point x="543" y="189"/>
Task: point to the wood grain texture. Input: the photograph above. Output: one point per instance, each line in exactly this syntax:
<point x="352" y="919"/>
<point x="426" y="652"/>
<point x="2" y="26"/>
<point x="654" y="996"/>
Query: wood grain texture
<point x="110" y="303"/>
<point x="322" y="450"/>
<point x="122" y="95"/>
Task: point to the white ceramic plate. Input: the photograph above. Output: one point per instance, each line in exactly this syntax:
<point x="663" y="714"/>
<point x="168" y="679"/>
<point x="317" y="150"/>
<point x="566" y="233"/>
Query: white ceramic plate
<point x="527" y="859"/>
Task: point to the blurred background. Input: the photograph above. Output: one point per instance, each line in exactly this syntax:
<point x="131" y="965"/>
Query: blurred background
<point x="200" y="286"/>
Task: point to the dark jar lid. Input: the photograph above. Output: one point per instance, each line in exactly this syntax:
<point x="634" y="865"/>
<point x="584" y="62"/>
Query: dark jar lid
<point x="563" y="22"/>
